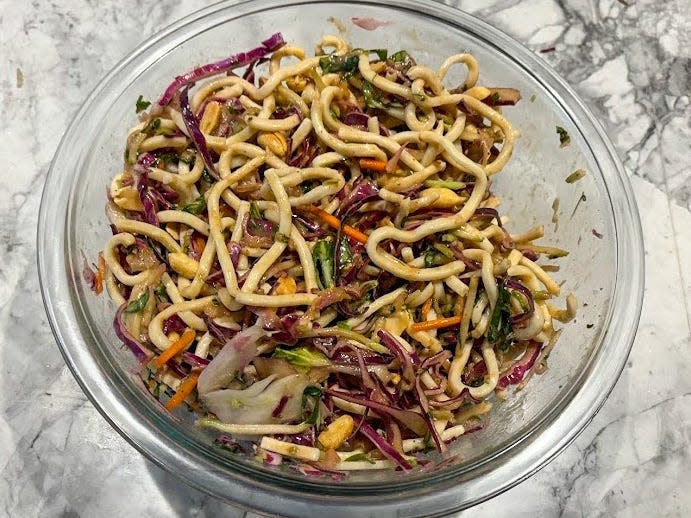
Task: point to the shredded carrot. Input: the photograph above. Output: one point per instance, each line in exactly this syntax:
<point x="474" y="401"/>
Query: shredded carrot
<point x="199" y="242"/>
<point x="334" y="222"/>
<point x="184" y="390"/>
<point x="436" y="324"/>
<point x="425" y="308"/>
<point x="373" y="165"/>
<point x="100" y="275"/>
<point x="178" y="345"/>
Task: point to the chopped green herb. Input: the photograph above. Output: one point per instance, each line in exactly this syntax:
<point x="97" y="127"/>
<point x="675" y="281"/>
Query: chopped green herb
<point x="454" y="186"/>
<point x="495" y="97"/>
<point x="345" y="254"/>
<point x="564" y="138"/>
<point x="580" y="200"/>
<point x="333" y="63"/>
<point x="476" y="382"/>
<point x="166" y="158"/>
<point x="138" y="304"/>
<point x="206" y="176"/>
<point x="282" y="238"/>
<point x="161" y="291"/>
<point x="311" y="394"/>
<point x="520" y="298"/>
<point x="575" y="176"/>
<point x="323" y="256"/>
<point x="430" y="257"/>
<point x="343" y="325"/>
<point x="555" y="253"/>
<point x="142" y="104"/>
<point x="153" y="126"/>
<point x="254" y="211"/>
<point x="186" y="242"/>
<point x="420" y="97"/>
<point x="500" y="321"/>
<point x="196" y="207"/>
<point x="532" y="98"/>
<point x="359" y="457"/>
<point x="186" y="157"/>
<point x="445" y="250"/>
<point x="541" y="295"/>
<point x="402" y="59"/>
<point x="372" y="95"/>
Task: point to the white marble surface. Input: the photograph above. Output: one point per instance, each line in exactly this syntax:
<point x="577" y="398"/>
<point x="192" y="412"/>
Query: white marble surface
<point x="630" y="60"/>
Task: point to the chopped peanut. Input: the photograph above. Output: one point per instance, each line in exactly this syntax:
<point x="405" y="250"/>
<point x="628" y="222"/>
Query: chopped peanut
<point x="183" y="264"/>
<point x="446" y="197"/>
<point x="125" y="197"/>
<point x="297" y="83"/>
<point x="210" y="118"/>
<point x="286" y="286"/>
<point x="274" y="142"/>
<point x="479" y="92"/>
<point x="397" y="323"/>
<point x="337" y="432"/>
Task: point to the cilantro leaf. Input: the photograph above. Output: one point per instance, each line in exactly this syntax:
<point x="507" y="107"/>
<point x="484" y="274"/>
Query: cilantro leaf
<point x="142" y="104"/>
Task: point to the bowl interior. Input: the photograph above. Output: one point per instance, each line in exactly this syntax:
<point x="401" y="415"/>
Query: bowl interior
<point x="530" y="186"/>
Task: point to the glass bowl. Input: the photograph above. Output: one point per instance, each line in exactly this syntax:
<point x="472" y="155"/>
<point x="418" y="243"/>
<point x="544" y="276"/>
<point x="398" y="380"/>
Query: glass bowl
<point x="525" y="432"/>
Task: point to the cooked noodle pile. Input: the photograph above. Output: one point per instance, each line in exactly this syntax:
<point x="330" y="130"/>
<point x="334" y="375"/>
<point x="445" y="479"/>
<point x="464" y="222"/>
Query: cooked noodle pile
<point x="307" y="250"/>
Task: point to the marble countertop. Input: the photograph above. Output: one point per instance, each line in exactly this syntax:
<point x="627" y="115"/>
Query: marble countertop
<point x="629" y="60"/>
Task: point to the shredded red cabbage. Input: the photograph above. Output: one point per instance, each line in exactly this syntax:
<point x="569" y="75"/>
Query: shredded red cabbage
<point x="192" y="125"/>
<point x="142" y="354"/>
<point x="387" y="450"/>
<point x="194" y="361"/>
<point x="361" y="193"/>
<point x="519" y="370"/>
<point x="405" y="358"/>
<point x="146" y="198"/>
<point x="408" y="418"/>
<point x="527" y="295"/>
<point x="235" y="61"/>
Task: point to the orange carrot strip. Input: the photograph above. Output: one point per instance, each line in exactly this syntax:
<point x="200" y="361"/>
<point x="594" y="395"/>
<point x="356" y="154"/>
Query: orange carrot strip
<point x="373" y="165"/>
<point x="425" y="308"/>
<point x="178" y="345"/>
<point x="435" y="324"/>
<point x="100" y="275"/>
<point x="184" y="390"/>
<point x="334" y="222"/>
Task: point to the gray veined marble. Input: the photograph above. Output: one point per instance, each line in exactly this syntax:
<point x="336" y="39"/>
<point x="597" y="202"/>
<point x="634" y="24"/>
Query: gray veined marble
<point x="629" y="59"/>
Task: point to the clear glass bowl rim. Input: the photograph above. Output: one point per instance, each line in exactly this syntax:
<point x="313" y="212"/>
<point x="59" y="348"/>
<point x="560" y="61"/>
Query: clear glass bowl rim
<point x="435" y="496"/>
